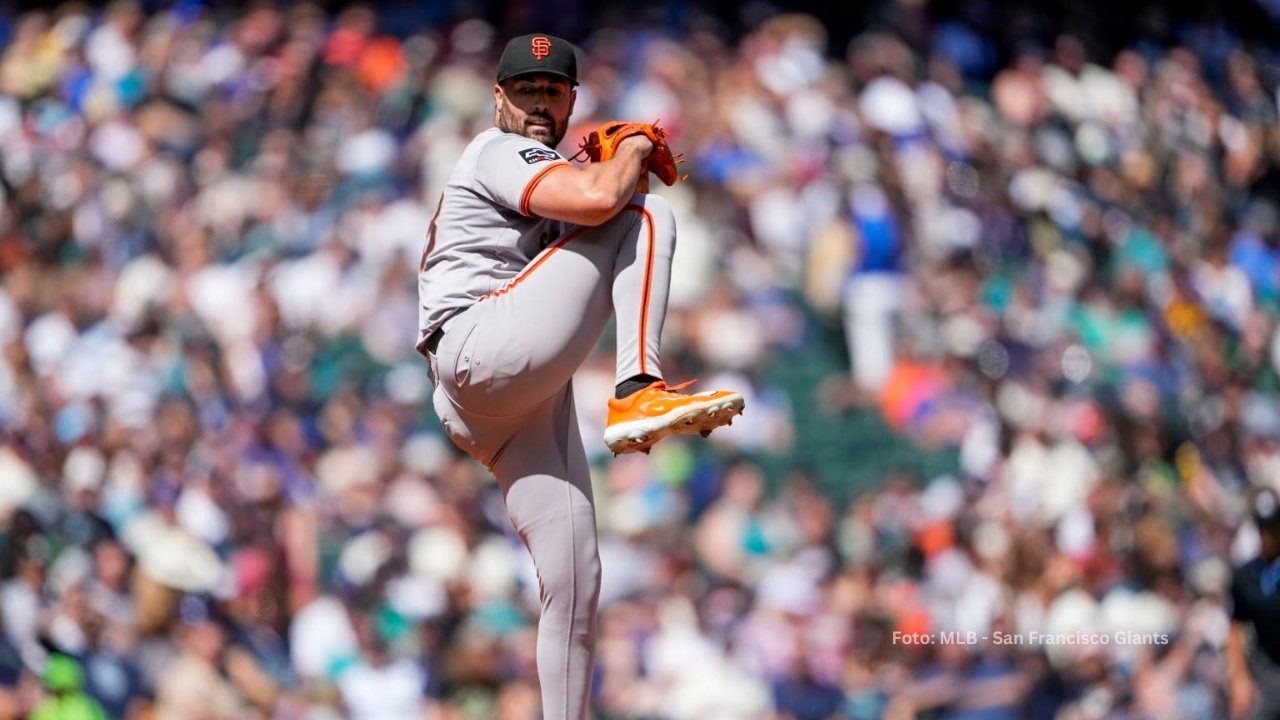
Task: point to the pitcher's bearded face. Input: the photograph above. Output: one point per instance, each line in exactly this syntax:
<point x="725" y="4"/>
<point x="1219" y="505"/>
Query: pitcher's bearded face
<point x="536" y="106"/>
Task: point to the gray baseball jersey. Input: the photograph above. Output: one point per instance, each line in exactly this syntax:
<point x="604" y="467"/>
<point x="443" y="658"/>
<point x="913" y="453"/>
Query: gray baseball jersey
<point x="482" y="235"/>
<point x="523" y="301"/>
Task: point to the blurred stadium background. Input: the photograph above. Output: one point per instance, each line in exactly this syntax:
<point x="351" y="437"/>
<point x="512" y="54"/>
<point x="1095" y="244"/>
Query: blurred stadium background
<point x="1001" y="281"/>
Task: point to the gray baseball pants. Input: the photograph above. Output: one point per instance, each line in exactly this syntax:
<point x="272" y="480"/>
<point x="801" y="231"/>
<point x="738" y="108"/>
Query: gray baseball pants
<point x="1266" y="680"/>
<point x="503" y="371"/>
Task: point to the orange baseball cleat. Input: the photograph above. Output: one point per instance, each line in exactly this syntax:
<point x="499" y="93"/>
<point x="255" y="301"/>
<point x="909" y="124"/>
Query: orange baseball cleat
<point x="646" y="416"/>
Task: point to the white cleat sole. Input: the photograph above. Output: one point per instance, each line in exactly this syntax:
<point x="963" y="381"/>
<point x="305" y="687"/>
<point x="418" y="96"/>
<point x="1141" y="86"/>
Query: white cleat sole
<point x="694" y="418"/>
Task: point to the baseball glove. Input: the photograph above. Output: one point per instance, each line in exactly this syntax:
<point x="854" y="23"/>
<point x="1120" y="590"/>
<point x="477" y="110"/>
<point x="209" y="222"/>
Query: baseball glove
<point x="601" y="144"/>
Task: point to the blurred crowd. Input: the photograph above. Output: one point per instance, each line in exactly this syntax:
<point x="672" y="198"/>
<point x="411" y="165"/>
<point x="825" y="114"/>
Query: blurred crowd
<point x="223" y="495"/>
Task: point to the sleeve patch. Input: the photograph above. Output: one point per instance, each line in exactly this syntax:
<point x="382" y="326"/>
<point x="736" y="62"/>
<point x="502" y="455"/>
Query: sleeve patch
<point x="537" y="155"/>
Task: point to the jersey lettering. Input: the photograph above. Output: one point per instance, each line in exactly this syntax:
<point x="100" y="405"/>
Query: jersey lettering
<point x="432" y="229"/>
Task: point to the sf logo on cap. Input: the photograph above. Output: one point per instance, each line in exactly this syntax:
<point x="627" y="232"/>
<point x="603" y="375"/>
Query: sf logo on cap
<point x="541" y="47"/>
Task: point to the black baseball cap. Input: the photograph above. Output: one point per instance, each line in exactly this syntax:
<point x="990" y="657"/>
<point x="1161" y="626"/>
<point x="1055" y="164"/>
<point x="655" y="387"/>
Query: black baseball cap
<point x="538" y="52"/>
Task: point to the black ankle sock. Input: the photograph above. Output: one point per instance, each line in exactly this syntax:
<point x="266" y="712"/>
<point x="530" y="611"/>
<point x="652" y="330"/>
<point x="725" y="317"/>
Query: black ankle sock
<point x="634" y="383"/>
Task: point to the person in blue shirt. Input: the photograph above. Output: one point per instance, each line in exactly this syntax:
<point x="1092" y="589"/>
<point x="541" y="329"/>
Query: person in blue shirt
<point x="1253" y="646"/>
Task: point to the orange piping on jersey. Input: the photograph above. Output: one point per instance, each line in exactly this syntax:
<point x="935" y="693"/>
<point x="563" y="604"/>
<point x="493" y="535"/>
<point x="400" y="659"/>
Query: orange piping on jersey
<point x="533" y="183"/>
<point x="432" y="228"/>
<point x="648" y="286"/>
<point x="534" y="266"/>
<point x="648" y="275"/>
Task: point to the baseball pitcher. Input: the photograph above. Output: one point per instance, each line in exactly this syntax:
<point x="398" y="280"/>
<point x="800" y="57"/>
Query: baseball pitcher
<point x="526" y="258"/>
